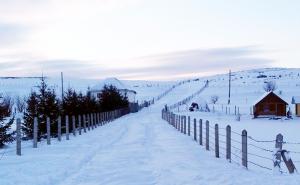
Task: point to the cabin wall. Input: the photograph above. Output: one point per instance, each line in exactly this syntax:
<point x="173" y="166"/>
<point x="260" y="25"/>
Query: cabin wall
<point x="297" y="109"/>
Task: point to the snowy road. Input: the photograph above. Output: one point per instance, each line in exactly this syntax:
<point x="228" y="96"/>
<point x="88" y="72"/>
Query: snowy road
<point x="138" y="149"/>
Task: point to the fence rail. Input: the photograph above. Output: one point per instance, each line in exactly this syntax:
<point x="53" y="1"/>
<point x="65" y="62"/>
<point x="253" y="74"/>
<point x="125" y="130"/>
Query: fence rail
<point x="246" y="149"/>
<point x="189" y="98"/>
<point x="70" y="125"/>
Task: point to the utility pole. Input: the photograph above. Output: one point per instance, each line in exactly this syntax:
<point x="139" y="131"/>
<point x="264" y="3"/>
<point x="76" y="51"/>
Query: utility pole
<point x="229" y="87"/>
<point x="62" y="88"/>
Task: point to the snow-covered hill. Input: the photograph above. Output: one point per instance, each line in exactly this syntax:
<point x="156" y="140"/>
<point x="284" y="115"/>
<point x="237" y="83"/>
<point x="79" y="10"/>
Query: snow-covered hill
<point x="141" y="148"/>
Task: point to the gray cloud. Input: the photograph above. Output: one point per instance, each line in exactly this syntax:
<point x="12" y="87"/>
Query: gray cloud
<point x="162" y="66"/>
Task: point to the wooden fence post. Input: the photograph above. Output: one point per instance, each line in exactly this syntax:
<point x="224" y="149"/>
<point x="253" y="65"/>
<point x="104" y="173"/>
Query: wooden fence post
<point x="84" y="123"/>
<point x="182" y="122"/>
<point x="73" y="125"/>
<point x="92" y="120"/>
<point x="88" y="122"/>
<point x="207" y="135"/>
<point x="67" y="127"/>
<point x="189" y="125"/>
<point x="195" y="129"/>
<point x="48" y="131"/>
<point x="244" y="149"/>
<point x="79" y="124"/>
<point x="184" y="126"/>
<point x="19" y="137"/>
<point x="217" y="140"/>
<point x="35" y="132"/>
<point x="200" y="132"/>
<point x="59" y="128"/>
<point x="228" y="143"/>
<point x="278" y="147"/>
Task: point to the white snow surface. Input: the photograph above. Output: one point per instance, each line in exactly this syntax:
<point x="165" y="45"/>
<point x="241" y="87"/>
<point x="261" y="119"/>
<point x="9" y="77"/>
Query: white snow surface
<point x="137" y="149"/>
<point x="143" y="149"/>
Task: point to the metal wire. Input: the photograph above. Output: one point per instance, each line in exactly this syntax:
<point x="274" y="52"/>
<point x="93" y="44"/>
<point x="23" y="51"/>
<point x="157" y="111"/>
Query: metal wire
<point x="263" y="149"/>
<point x="261" y="166"/>
<point x="262" y="157"/>
<point x="260" y="141"/>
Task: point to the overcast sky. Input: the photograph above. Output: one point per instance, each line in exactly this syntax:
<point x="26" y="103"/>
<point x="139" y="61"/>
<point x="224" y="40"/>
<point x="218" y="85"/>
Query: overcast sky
<point x="146" y="39"/>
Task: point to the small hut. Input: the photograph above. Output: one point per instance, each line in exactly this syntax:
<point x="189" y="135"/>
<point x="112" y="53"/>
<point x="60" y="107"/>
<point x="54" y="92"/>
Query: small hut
<point x="296" y="101"/>
<point x="270" y="105"/>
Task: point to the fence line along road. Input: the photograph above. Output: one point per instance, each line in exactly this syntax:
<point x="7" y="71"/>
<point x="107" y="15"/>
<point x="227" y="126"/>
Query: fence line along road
<point x="209" y="137"/>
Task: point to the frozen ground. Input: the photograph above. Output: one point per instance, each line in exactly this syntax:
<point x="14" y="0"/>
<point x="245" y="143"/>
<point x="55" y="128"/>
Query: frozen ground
<point x="136" y="149"/>
<point x="143" y="149"/>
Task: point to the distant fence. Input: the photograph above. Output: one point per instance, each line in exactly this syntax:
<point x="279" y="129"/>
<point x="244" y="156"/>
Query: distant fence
<point x="173" y="87"/>
<point x="189" y="98"/>
<point x="70" y="125"/>
<point x="239" y="148"/>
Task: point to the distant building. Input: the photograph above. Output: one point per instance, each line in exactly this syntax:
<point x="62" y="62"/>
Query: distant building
<point x="123" y="90"/>
<point x="296" y="101"/>
<point x="270" y="105"/>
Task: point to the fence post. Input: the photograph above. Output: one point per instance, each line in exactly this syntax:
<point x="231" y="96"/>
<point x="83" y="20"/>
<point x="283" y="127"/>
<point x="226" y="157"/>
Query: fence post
<point x="217" y="140"/>
<point x="59" y="128"/>
<point x="189" y="126"/>
<point x="84" y="123"/>
<point x="228" y="143"/>
<point x="79" y="124"/>
<point x="67" y="127"/>
<point x="92" y="121"/>
<point x="48" y="131"/>
<point x="88" y="122"/>
<point x="184" y="126"/>
<point x="200" y="132"/>
<point x="35" y="132"/>
<point x="244" y="149"/>
<point x="278" y="147"/>
<point x="195" y="129"/>
<point x="235" y="110"/>
<point x="181" y="126"/>
<point x="19" y="137"/>
<point x="73" y="125"/>
<point x="207" y="135"/>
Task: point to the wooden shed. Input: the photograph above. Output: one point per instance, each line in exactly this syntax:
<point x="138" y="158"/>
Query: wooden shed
<point x="270" y="105"/>
<point x="296" y="101"/>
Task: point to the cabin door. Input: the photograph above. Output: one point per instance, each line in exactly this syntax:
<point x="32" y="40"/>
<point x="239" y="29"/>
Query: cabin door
<point x="281" y="110"/>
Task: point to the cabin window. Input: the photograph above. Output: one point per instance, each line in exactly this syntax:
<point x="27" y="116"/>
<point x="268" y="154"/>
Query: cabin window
<point x="266" y="108"/>
<point x="272" y="107"/>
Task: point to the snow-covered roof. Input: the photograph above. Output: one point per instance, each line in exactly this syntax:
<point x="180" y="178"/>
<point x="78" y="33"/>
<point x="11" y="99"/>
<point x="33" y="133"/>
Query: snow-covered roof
<point x="110" y="81"/>
<point x="265" y="95"/>
<point x="296" y="99"/>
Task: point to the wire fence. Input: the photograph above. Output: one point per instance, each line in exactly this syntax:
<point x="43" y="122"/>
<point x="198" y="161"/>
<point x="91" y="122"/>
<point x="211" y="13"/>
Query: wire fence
<point x="252" y="153"/>
<point x="77" y="125"/>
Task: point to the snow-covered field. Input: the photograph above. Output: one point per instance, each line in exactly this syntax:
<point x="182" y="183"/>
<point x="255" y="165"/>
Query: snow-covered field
<point x="141" y="148"/>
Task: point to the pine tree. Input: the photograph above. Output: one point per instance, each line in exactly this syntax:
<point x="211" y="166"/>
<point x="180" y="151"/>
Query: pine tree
<point x="111" y="99"/>
<point x="41" y="105"/>
<point x="6" y="135"/>
<point x="30" y="113"/>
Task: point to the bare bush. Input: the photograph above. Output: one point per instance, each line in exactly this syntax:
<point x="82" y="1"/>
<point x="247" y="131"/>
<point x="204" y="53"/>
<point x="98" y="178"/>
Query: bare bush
<point x="270" y="86"/>
<point x="214" y="99"/>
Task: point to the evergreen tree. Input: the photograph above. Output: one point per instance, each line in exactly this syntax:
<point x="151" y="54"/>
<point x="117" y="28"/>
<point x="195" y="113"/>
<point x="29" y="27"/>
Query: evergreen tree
<point x="6" y="135"/>
<point x="30" y="113"/>
<point x="111" y="99"/>
<point x="41" y="105"/>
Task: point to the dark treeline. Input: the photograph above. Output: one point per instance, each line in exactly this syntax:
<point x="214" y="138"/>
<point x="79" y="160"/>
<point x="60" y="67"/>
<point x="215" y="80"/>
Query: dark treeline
<point x="6" y="135"/>
<point x="45" y="103"/>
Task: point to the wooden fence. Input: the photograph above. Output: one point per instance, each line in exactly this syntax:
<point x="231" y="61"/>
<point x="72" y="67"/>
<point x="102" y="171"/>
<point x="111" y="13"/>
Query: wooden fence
<point x="79" y="124"/>
<point x="189" y="98"/>
<point x="209" y="137"/>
